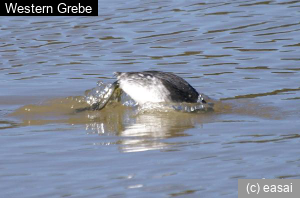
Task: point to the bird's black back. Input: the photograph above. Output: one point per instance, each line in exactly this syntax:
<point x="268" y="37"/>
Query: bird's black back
<point x="180" y="90"/>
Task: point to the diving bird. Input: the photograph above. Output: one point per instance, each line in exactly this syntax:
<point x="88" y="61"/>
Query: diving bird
<point x="152" y="87"/>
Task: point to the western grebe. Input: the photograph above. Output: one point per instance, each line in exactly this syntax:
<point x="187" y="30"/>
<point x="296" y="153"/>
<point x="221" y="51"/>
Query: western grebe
<point x="152" y="87"/>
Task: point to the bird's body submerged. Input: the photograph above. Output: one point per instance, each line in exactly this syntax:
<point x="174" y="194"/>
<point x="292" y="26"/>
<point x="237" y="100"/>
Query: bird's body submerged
<point x="152" y="87"/>
<point x="155" y="86"/>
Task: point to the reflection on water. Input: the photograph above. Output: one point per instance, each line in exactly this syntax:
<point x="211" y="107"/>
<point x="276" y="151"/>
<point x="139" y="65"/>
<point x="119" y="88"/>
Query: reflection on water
<point x="142" y="129"/>
<point x="145" y="131"/>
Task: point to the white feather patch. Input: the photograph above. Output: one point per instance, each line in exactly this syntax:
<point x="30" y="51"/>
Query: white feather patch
<point x="153" y="92"/>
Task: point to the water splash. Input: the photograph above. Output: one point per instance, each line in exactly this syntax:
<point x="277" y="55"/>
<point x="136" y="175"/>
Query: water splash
<point x="181" y="107"/>
<point x="97" y="94"/>
<point x="100" y="94"/>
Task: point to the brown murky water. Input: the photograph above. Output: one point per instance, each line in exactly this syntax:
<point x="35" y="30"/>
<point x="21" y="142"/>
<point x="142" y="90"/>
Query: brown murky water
<point x="244" y="54"/>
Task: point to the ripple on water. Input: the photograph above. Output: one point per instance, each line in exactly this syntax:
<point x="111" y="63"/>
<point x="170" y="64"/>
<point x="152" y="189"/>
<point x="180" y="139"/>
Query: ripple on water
<point x="245" y="53"/>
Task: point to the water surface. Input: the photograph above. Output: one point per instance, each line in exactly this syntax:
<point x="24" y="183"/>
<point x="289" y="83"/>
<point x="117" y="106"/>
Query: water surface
<point x="243" y="54"/>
